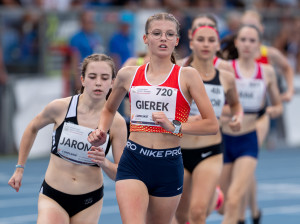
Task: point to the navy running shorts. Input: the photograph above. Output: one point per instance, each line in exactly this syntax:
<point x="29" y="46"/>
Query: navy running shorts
<point x="161" y="170"/>
<point x="238" y="146"/>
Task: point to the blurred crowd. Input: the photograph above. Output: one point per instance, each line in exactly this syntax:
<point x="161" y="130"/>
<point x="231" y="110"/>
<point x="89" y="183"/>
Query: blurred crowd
<point x="71" y="4"/>
<point x="48" y="36"/>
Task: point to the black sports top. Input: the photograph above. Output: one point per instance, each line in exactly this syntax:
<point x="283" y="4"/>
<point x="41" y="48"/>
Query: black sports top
<point x="69" y="140"/>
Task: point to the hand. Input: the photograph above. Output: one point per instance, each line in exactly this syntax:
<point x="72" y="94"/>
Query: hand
<point x="287" y="96"/>
<point x="235" y="123"/>
<point x="161" y="119"/>
<point x="271" y="111"/>
<point x="16" y="180"/>
<point x="97" y="137"/>
<point x="97" y="155"/>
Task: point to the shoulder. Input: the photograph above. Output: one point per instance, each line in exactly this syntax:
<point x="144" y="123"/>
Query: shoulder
<point x="189" y="71"/>
<point x="274" y="53"/>
<point x="225" y="65"/>
<point x="130" y="62"/>
<point x="127" y="72"/>
<point x="268" y="71"/>
<point x="228" y="76"/>
<point x="57" y="107"/>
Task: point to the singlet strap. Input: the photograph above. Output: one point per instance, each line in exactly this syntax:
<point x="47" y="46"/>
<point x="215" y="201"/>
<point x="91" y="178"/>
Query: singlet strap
<point x="72" y="110"/>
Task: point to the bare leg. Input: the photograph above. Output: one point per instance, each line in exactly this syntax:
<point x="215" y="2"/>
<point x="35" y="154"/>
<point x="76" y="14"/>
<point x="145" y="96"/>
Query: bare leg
<point x="243" y="170"/>
<point x="184" y="204"/>
<point x="162" y="210"/>
<point x="204" y="181"/>
<point x="132" y="196"/>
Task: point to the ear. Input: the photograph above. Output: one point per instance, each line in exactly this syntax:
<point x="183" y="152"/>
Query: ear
<point x="145" y="38"/>
<point x="191" y="45"/>
<point x="82" y="80"/>
<point x="177" y="41"/>
<point x="113" y="81"/>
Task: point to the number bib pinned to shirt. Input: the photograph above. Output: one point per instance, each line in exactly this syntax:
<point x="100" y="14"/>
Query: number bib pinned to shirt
<point x="148" y="99"/>
<point x="217" y="98"/>
<point x="251" y="94"/>
<point x="73" y="144"/>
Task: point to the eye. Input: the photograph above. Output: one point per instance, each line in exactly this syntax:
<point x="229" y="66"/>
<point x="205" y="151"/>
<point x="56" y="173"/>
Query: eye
<point x="243" y="39"/>
<point x="170" y="34"/>
<point x="212" y="39"/>
<point x="200" y="39"/>
<point x="156" y="33"/>
<point x="252" y="40"/>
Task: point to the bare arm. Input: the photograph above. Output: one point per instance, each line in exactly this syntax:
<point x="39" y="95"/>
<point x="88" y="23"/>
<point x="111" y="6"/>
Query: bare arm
<point x="119" y="137"/>
<point x="47" y="116"/>
<point x="119" y="91"/>
<point x="195" y="90"/>
<point x="278" y="59"/>
<point x="276" y="109"/>
<point x="232" y="98"/>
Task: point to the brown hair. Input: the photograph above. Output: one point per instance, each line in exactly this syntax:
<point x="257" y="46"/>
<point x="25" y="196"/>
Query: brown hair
<point x="97" y="58"/>
<point x="164" y="16"/>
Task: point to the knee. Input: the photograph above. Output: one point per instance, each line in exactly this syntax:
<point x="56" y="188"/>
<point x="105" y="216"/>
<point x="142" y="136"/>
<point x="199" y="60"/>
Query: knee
<point x="181" y="217"/>
<point x="232" y="202"/>
<point x="198" y="214"/>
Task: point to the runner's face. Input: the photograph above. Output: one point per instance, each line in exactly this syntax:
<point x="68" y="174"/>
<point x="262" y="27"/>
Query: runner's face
<point x="205" y="43"/>
<point x="162" y="37"/>
<point x="98" y="79"/>
<point x="203" y="21"/>
<point x="247" y="42"/>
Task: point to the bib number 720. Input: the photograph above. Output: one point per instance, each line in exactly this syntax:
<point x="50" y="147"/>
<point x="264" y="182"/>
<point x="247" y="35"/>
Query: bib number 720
<point x="164" y="92"/>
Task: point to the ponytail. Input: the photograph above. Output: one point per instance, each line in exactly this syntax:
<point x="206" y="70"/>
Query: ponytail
<point x="229" y="51"/>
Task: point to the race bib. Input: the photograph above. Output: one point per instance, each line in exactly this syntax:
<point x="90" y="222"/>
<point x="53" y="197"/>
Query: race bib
<point x="73" y="144"/>
<point x="217" y="98"/>
<point x="148" y="99"/>
<point x="251" y="94"/>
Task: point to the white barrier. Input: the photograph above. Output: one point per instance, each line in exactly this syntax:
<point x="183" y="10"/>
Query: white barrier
<point x="32" y="95"/>
<point x="292" y="118"/>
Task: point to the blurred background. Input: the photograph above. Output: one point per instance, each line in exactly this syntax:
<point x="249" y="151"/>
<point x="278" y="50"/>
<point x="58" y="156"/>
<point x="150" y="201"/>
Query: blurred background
<point x="42" y="45"/>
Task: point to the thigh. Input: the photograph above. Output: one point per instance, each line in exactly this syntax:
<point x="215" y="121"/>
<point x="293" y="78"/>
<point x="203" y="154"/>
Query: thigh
<point x="90" y="215"/>
<point x="204" y="181"/>
<point x="133" y="199"/>
<point x="184" y="204"/>
<point x="242" y="175"/>
<point x="161" y="210"/>
<point x="50" y="212"/>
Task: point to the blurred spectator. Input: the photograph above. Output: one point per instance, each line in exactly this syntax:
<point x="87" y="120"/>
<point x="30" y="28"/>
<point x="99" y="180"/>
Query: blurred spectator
<point x="7" y="107"/>
<point x="10" y="3"/>
<point x="288" y="42"/>
<point x="83" y="43"/>
<point x="121" y="42"/>
<point x="3" y="80"/>
<point x="233" y="21"/>
<point x="29" y="44"/>
<point x="185" y="21"/>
